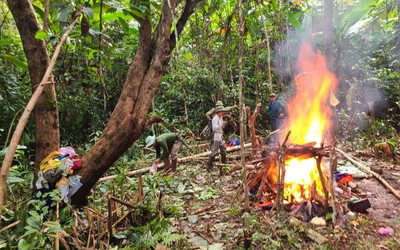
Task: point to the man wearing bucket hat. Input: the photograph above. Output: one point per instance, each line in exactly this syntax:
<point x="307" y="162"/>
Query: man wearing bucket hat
<point x="165" y="144"/>
<point x="212" y="111"/>
<point x="218" y="144"/>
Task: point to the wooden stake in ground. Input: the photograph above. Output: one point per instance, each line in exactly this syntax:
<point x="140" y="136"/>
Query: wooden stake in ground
<point x="332" y="165"/>
<point x="255" y="142"/>
<point x="322" y="180"/>
<point x="281" y="174"/>
<point x="47" y="79"/>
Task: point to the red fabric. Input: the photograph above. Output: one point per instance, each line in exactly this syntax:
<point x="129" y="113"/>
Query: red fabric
<point x="77" y="160"/>
<point x="346" y="179"/>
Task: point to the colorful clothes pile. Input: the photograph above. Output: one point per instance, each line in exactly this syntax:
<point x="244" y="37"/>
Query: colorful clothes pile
<point x="233" y="142"/>
<point x="59" y="169"/>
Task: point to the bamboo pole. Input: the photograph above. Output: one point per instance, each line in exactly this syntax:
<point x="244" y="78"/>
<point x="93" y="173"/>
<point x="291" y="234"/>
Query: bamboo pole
<point x="58" y="221"/>
<point x="5" y="168"/>
<point x="9" y="226"/>
<point x="361" y="166"/>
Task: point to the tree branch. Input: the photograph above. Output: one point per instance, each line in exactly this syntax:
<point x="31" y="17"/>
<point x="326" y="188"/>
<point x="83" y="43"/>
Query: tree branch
<point x="187" y="12"/>
<point x="152" y="120"/>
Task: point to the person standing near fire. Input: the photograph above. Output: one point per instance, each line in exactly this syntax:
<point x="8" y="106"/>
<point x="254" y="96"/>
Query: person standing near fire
<point x="277" y="113"/>
<point x="218" y="144"/>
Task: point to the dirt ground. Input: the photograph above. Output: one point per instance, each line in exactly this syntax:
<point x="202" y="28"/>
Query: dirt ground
<point x="214" y="217"/>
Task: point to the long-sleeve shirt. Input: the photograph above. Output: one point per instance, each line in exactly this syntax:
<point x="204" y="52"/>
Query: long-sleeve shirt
<point x="164" y="144"/>
<point x="275" y="109"/>
<point x="217" y="127"/>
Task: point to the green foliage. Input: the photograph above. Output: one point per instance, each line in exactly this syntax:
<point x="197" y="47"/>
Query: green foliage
<point x="207" y="194"/>
<point x="157" y="231"/>
<point x="361" y="131"/>
<point x="13" y="96"/>
<point x="36" y="229"/>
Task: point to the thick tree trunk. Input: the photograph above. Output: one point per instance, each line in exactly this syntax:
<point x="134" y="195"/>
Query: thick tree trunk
<point x="46" y="111"/>
<point x="130" y="117"/>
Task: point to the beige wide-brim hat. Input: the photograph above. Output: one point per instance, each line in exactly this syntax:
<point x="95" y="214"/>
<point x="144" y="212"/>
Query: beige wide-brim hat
<point x="219" y="103"/>
<point x="219" y="109"/>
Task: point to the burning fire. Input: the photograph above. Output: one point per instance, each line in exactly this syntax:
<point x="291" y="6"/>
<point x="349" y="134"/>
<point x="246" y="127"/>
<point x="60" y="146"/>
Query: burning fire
<point x="309" y="121"/>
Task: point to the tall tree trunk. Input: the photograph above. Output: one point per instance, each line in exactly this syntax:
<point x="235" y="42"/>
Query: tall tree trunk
<point x="328" y="35"/>
<point x="242" y="109"/>
<point x="268" y="48"/>
<point x="130" y="117"/>
<point x="46" y="111"/>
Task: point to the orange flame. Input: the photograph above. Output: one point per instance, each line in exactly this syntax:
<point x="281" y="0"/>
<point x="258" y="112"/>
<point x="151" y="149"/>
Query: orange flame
<point x="309" y="120"/>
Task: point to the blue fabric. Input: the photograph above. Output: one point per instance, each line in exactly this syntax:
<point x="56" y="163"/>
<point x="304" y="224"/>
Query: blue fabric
<point x="275" y="109"/>
<point x="234" y="142"/>
<point x="338" y="175"/>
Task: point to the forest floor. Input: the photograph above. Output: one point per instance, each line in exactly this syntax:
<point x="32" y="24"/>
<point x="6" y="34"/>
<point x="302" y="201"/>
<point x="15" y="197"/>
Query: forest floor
<point x="210" y="221"/>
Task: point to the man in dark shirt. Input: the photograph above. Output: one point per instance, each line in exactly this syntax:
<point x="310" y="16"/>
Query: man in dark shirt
<point x="277" y="113"/>
<point x="165" y="145"/>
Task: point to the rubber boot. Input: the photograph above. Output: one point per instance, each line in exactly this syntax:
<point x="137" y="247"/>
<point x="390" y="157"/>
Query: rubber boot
<point x="210" y="163"/>
<point x="173" y="166"/>
<point x="167" y="165"/>
<point x="223" y="157"/>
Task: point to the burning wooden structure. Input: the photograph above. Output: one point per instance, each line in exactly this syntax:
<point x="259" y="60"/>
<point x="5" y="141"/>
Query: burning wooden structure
<point x="271" y="174"/>
<point x="297" y="167"/>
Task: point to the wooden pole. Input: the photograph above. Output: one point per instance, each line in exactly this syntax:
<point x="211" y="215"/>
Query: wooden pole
<point x="5" y="168"/>
<point x="251" y="121"/>
<point x="9" y="226"/>
<point x="281" y="174"/>
<point x="332" y="165"/>
<point x="58" y="221"/>
<point x="242" y="108"/>
<point x="322" y="180"/>
<point x="268" y="48"/>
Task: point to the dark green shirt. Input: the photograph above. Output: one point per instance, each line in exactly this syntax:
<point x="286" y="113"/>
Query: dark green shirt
<point x="165" y="142"/>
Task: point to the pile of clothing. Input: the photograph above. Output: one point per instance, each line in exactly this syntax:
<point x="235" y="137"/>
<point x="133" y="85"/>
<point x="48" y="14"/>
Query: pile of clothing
<point x="233" y="142"/>
<point x="59" y="170"/>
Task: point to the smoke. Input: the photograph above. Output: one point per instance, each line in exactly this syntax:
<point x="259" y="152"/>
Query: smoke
<point x="354" y="63"/>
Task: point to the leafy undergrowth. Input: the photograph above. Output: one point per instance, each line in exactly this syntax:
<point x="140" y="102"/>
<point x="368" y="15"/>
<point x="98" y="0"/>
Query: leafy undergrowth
<point x="192" y="210"/>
